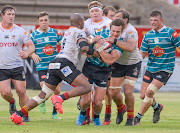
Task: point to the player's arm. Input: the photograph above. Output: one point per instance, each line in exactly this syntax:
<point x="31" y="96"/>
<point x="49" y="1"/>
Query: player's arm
<point x="86" y="48"/>
<point x="108" y="58"/>
<point x="31" y="49"/>
<point x="35" y="58"/>
<point x="129" y="46"/>
<point x="143" y="54"/>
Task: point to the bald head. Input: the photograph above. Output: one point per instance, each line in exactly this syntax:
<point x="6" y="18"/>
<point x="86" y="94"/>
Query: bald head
<point x="77" y="20"/>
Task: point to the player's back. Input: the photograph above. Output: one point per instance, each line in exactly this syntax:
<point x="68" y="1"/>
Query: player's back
<point x="69" y="47"/>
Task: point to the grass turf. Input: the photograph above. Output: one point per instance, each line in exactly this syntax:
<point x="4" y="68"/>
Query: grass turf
<point x="42" y="123"/>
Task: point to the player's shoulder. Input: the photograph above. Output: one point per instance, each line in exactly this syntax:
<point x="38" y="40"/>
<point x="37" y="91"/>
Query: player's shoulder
<point x="131" y="28"/>
<point x="18" y="27"/>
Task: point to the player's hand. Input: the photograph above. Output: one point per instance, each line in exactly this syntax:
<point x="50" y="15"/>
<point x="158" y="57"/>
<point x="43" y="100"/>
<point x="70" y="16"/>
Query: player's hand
<point x="109" y="39"/>
<point x="23" y="54"/>
<point x="36" y="58"/>
<point x="98" y="44"/>
<point x="85" y="30"/>
<point x="97" y="38"/>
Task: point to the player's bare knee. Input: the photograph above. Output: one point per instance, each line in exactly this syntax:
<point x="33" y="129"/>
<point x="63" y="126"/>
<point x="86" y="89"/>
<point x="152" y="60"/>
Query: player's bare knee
<point x="142" y="96"/>
<point x="97" y="103"/>
<point x="128" y="92"/>
<point x="5" y="94"/>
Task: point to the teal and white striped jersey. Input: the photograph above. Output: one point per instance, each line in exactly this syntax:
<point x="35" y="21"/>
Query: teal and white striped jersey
<point x="97" y="61"/>
<point x="161" y="47"/>
<point x="45" y="45"/>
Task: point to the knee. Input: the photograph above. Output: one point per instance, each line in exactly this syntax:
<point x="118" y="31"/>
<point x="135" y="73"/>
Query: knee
<point x="97" y="103"/>
<point x="142" y="96"/>
<point x="5" y="93"/>
<point x="21" y="92"/>
<point x="128" y="92"/>
<point x="149" y="93"/>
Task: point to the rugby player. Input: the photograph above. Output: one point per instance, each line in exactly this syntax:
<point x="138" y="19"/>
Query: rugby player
<point x="11" y="59"/>
<point x="46" y="40"/>
<point x="160" y="43"/>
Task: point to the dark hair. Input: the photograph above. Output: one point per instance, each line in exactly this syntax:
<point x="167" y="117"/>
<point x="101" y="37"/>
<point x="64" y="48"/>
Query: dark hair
<point x="118" y="22"/>
<point x="107" y="9"/>
<point x="156" y="13"/>
<point x="41" y="14"/>
<point x="125" y="14"/>
<point x="7" y="7"/>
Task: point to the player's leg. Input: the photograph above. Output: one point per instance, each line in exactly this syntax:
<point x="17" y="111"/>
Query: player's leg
<point x="56" y="92"/>
<point x="115" y="91"/>
<point x="154" y="86"/>
<point x="98" y="97"/>
<point x="19" y="82"/>
<point x="47" y="91"/>
<point x="108" y="103"/>
<point x="129" y="84"/>
<point x="5" y="89"/>
<point x="42" y="77"/>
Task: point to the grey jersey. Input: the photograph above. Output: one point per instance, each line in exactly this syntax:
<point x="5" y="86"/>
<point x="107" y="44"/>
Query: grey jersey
<point x="129" y="58"/>
<point x="69" y="47"/>
<point x="11" y="41"/>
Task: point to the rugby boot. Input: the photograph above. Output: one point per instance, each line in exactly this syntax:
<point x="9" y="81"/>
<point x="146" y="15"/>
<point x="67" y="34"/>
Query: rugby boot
<point x="42" y="107"/>
<point x="57" y="101"/>
<point x="26" y="119"/>
<point x="119" y="117"/>
<point x="97" y="122"/>
<point x="12" y="107"/>
<point x="156" y="115"/>
<point x="107" y="119"/>
<point x="80" y="119"/>
<point x="129" y="122"/>
<point x="137" y="121"/>
<point x="86" y="120"/>
<point x="55" y="116"/>
<point x="16" y="119"/>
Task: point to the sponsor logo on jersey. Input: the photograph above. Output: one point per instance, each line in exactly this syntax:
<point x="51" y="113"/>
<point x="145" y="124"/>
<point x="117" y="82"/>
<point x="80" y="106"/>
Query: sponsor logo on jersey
<point x="66" y="71"/>
<point x="48" y="49"/>
<point x="146" y="77"/>
<point x="13" y="36"/>
<point x="6" y="36"/>
<point x="67" y="34"/>
<point x="43" y="76"/>
<point x="54" y="65"/>
<point x="158" y="51"/>
<point x="175" y="34"/>
<point x="130" y="32"/>
<point x="9" y="44"/>
<point x="150" y="40"/>
<point x="39" y="41"/>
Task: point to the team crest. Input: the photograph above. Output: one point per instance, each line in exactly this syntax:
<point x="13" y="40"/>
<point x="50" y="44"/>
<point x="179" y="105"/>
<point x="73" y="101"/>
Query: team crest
<point x="156" y="40"/>
<point x="135" y="71"/>
<point x="158" y="51"/>
<point x="48" y="49"/>
<point x="46" y="39"/>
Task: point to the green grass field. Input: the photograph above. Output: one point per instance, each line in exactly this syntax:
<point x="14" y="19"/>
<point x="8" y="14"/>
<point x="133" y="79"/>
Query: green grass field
<point x="42" y="123"/>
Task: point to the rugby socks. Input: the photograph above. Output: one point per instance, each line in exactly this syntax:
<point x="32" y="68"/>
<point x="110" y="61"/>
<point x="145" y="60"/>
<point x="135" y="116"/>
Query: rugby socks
<point x="88" y="112"/>
<point x="96" y="115"/>
<point x="108" y="109"/>
<point x="83" y="112"/>
<point x="23" y="112"/>
<point x="156" y="106"/>
<point x="65" y="96"/>
<point x="11" y="101"/>
<point x="130" y="113"/>
<point x="139" y="115"/>
<point x="54" y="110"/>
<point x="121" y="108"/>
